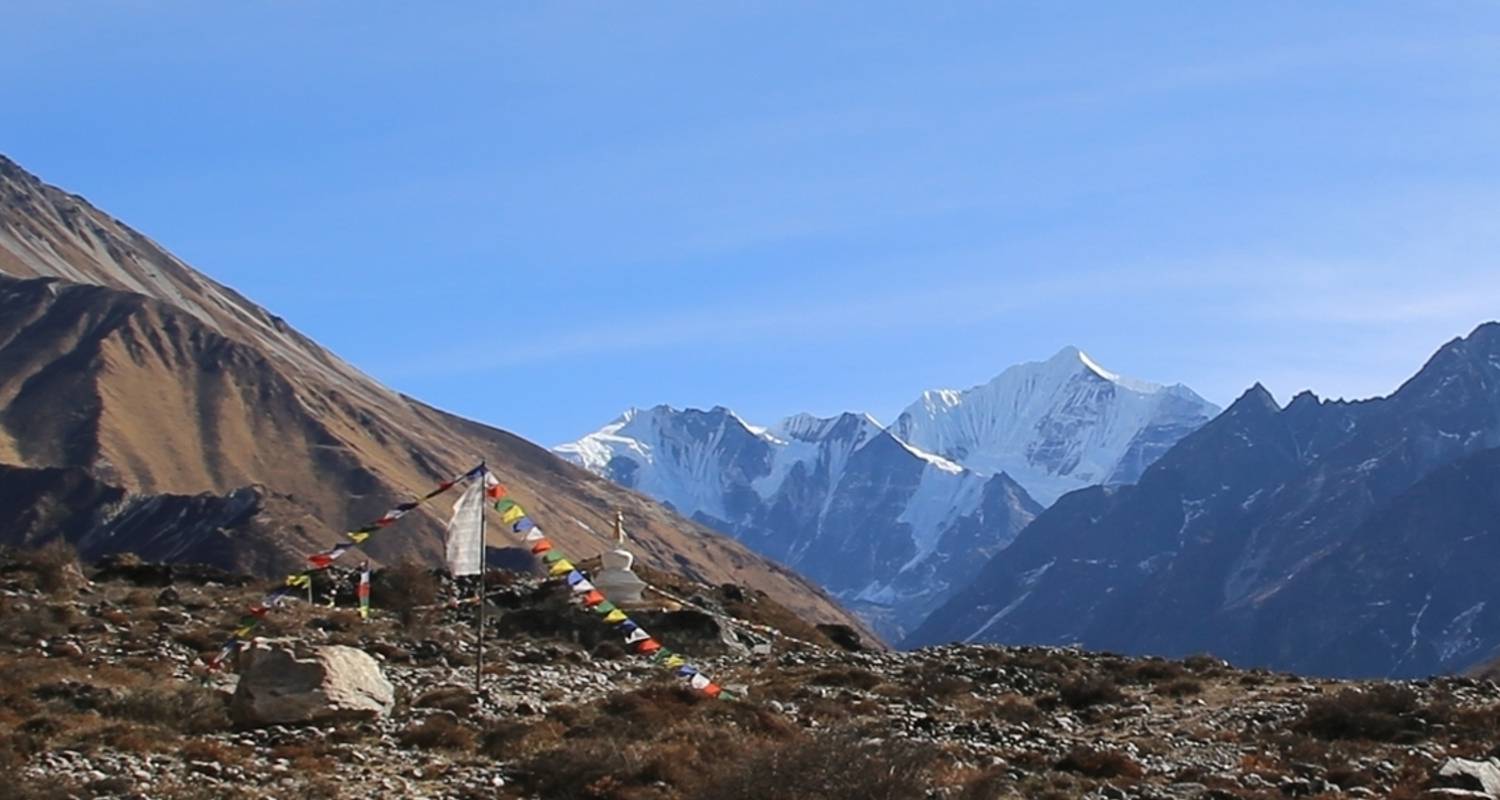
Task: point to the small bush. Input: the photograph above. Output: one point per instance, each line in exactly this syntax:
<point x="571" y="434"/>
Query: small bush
<point x="1016" y="708"/>
<point x="1154" y="671"/>
<point x="1088" y="692"/>
<point x="851" y="677"/>
<point x="447" y="698"/>
<point x="1102" y="764"/>
<point x="1182" y="687"/>
<point x="438" y="733"/>
<point x="1380" y="714"/>
<point x="55" y="566"/>
<point x="833" y="766"/>
<point x="405" y="588"/>
<point x="183" y="708"/>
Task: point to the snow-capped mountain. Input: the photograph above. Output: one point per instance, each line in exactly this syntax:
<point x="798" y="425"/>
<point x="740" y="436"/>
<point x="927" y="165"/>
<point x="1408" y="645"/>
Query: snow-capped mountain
<point x="1055" y="426"/>
<point x="888" y="528"/>
<point x="1325" y="537"/>
<point x="894" y="520"/>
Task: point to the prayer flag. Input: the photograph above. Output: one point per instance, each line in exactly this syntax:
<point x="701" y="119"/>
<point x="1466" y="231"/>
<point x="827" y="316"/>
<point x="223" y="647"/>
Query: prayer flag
<point x="541" y="547"/>
<point x="700" y="681"/>
<point x="615" y="616"/>
<point x="561" y="568"/>
<point x="364" y="592"/>
<point x="648" y="647"/>
<point x="465" y="532"/>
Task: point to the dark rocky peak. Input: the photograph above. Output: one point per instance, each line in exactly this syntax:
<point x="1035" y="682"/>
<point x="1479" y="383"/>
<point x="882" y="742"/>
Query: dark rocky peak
<point x="1464" y="370"/>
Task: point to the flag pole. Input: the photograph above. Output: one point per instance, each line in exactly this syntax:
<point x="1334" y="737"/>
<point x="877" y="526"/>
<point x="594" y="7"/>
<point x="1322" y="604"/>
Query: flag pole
<point x="479" y="661"/>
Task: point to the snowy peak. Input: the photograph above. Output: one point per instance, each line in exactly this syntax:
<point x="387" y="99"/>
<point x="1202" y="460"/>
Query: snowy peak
<point x="808" y="428"/>
<point x="877" y="521"/>
<point x="1055" y="425"/>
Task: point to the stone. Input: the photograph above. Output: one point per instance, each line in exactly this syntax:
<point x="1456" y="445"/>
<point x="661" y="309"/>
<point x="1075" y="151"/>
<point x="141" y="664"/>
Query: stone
<point x="1462" y="773"/>
<point x="332" y="683"/>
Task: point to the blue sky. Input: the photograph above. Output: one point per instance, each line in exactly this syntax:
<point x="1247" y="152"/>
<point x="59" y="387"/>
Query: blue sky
<point x="539" y="214"/>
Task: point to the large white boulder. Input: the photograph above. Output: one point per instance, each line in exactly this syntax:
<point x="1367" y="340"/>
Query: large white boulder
<point x="279" y="685"/>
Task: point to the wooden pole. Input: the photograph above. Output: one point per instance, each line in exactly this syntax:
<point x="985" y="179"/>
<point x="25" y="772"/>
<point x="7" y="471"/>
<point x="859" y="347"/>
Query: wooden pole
<point x="479" y="661"/>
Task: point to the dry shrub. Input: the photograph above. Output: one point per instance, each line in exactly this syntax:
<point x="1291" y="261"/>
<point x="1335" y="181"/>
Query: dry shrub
<point x="1153" y="670"/>
<point x="1101" y="763"/>
<point x="404" y="589"/>
<point x="210" y="750"/>
<point x="1016" y="708"/>
<point x="1379" y="713"/>
<point x="55" y="567"/>
<point x="23" y="623"/>
<point x="183" y="708"/>
<point x="438" y="733"/>
<point x="508" y="738"/>
<point x="1203" y="664"/>
<point x="1089" y="691"/>
<point x="447" y="698"/>
<point x="1182" y="687"/>
<point x="848" y="677"/>
<point x="831" y="766"/>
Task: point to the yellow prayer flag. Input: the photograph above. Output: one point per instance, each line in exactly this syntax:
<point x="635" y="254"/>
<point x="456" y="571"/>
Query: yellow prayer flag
<point x="562" y="567"/>
<point x="674" y="661"/>
<point x="358" y="536"/>
<point x="615" y="617"/>
<point x="512" y="514"/>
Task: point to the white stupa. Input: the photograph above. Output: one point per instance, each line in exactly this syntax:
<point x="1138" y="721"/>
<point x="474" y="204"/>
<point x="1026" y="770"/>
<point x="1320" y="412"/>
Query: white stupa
<point x="615" y="580"/>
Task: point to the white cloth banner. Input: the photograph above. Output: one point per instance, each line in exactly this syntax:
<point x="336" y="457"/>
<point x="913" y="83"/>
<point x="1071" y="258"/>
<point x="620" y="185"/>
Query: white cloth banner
<point x="466" y="532"/>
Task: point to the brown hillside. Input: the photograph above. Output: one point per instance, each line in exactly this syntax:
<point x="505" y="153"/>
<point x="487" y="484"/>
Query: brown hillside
<point x="121" y="362"/>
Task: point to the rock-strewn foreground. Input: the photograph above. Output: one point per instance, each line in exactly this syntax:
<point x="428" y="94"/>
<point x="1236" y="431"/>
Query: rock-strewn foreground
<point x="100" y="695"/>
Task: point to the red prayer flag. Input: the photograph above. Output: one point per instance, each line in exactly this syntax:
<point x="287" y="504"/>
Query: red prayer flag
<point x="593" y="598"/>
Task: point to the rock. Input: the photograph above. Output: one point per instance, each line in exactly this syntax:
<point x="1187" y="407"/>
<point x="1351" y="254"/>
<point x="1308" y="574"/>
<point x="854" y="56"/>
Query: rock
<point x="330" y="684"/>
<point x="843" y="636"/>
<point x="1462" y="773"/>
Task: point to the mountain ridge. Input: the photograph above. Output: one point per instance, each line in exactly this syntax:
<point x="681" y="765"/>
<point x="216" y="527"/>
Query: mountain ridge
<point x="118" y="359"/>
<point x="1224" y="542"/>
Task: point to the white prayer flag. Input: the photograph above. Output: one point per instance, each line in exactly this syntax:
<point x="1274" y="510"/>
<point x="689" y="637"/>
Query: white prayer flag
<point x="466" y="531"/>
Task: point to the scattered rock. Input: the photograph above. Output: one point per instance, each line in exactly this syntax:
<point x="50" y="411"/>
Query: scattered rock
<point x="1474" y="776"/>
<point x="332" y="683"/>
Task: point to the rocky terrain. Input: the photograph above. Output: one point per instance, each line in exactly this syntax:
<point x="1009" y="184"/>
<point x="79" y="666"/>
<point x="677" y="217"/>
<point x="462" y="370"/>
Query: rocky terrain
<point x="103" y="695"/>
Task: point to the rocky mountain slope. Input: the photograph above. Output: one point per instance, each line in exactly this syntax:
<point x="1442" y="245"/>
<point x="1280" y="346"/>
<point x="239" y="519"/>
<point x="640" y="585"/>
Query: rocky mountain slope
<point x="103" y="698"/>
<point x="145" y="407"/>
<point x="1326" y="536"/>
<point x="887" y="528"/>
<point x="1055" y="426"/>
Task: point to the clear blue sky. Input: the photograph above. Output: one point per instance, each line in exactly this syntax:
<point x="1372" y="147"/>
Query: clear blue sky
<point x="539" y="214"/>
